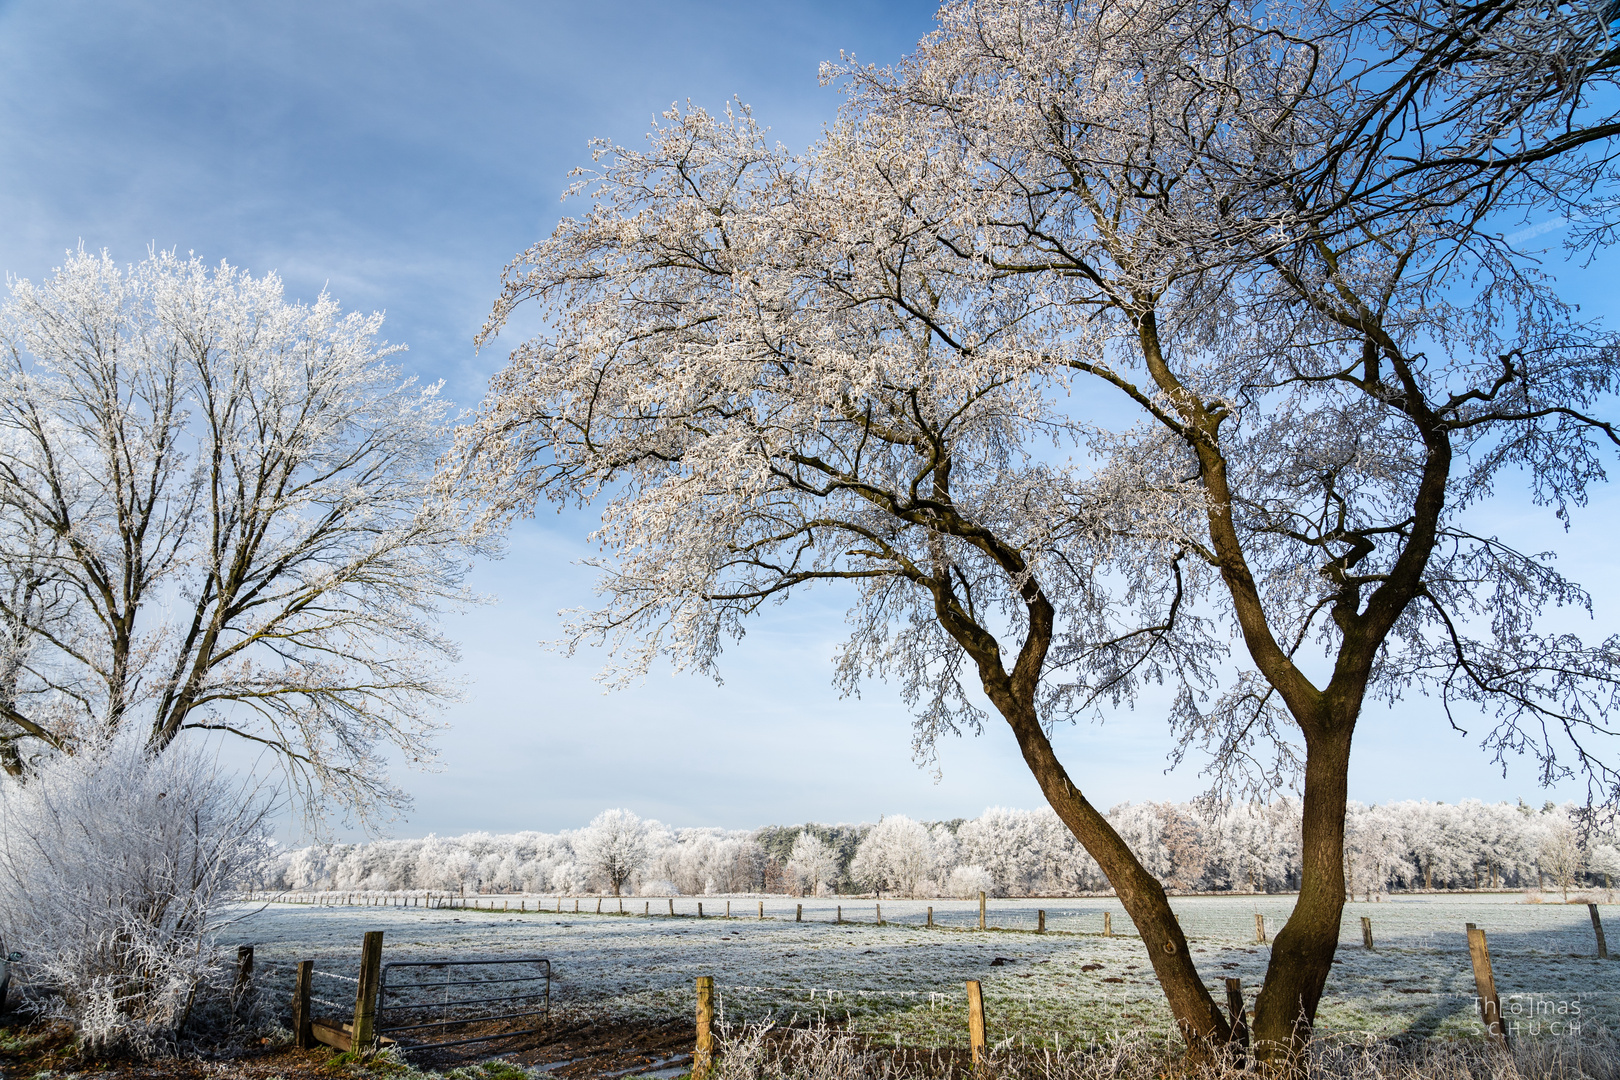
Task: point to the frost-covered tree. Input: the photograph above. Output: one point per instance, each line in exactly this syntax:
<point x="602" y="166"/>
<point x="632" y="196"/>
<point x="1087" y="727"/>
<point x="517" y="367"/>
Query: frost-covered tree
<point x="1562" y="855"/>
<point x="1604" y="859"/>
<point x="1279" y="267"/>
<point x="116" y="866"/>
<point x="214" y="518"/>
<point x="1375" y="848"/>
<point x="969" y="880"/>
<point x="614" y="846"/>
<point x="896" y="857"/>
<point x="812" y="863"/>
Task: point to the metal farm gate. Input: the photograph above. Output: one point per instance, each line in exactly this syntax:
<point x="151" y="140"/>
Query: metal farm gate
<point x="442" y="995"/>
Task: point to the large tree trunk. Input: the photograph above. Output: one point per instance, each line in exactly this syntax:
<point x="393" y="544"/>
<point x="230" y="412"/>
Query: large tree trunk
<point x="1302" y="954"/>
<point x="1013" y="694"/>
<point x="1144" y="899"/>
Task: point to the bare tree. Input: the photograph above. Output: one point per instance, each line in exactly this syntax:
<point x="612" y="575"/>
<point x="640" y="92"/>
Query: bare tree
<point x="213" y="518"/>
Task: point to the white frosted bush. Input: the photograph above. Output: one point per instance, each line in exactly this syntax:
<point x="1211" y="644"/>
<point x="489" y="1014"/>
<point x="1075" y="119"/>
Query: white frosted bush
<point x="967" y="882"/>
<point x="113" y="868"/>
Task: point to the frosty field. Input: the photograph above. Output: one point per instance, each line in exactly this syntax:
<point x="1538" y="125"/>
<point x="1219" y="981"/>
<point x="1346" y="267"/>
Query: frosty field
<point x="904" y="980"/>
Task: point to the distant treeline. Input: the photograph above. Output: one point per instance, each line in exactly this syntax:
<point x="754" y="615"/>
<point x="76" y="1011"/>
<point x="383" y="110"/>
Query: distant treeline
<point x="1192" y="848"/>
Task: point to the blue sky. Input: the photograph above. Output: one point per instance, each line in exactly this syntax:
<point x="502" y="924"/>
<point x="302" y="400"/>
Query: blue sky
<point x="399" y="154"/>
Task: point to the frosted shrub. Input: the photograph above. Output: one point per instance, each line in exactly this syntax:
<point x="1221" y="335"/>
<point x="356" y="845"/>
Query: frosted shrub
<point x="967" y="882"/>
<point x="113" y="868"/>
<point x="822" y="1053"/>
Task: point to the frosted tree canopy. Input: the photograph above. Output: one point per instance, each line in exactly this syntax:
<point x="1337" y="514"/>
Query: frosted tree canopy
<point x="1098" y="346"/>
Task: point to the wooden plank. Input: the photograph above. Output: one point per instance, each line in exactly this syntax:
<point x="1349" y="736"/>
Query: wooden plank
<point x="981" y="911"/>
<point x="333" y="1035"/>
<point x="339" y="1036"/>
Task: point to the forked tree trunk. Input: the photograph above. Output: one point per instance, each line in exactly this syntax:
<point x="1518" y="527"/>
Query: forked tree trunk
<point x="1303" y="950"/>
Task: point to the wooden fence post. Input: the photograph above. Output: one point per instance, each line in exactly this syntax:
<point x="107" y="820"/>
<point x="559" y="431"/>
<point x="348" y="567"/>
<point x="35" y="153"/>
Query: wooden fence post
<point x="762" y="909"/>
<point x="976" y="1021"/>
<point x="599" y="905"/>
<point x="703" y="1054"/>
<point x="880" y="914"/>
<point x="728" y="909"/>
<point x="981" y="910"/>
<point x="5" y="978"/>
<point x="1108" y="924"/>
<point x="930" y="916"/>
<point x="1240" y="1017"/>
<point x="1597" y="928"/>
<point x="700" y="909"/>
<point x="1259" y="929"/>
<point x="672" y="905"/>
<point x="1366" y="933"/>
<point x="244" y="970"/>
<point x="303" y="1038"/>
<point x="365" y="995"/>
<point x="1490" y="1005"/>
<point x="798" y="915"/>
<point x="840" y="913"/>
<point x="1040" y="920"/>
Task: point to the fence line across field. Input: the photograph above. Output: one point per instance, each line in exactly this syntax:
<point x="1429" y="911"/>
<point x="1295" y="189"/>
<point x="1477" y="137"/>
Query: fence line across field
<point x="377" y="995"/>
<point x="1558" y="928"/>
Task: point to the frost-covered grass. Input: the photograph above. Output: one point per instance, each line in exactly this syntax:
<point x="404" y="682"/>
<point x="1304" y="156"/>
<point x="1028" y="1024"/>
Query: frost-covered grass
<point x="1069" y="987"/>
<point x="828" y="1054"/>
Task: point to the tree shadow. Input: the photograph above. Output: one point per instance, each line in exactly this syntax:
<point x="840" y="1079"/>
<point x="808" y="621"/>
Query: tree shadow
<point x="1426" y="1023"/>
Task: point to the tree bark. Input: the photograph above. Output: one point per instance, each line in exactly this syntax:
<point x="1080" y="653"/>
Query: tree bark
<point x="1143" y="897"/>
<point x="1302" y="954"/>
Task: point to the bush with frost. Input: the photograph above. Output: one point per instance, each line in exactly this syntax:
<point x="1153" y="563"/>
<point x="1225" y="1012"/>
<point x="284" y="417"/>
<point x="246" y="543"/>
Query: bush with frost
<point x="115" y="867"/>
<point x="967" y="882"/>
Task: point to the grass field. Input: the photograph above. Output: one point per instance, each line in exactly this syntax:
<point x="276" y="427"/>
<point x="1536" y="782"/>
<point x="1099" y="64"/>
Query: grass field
<point x="1068" y="987"/>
